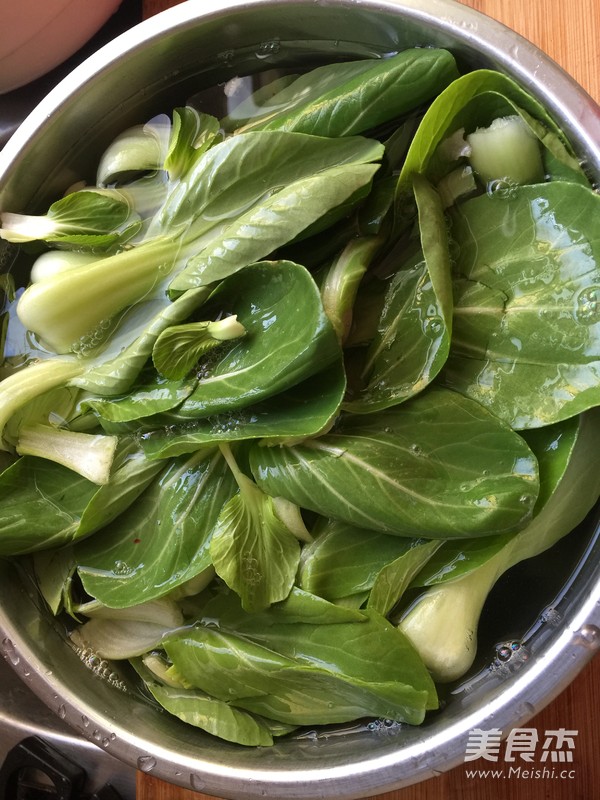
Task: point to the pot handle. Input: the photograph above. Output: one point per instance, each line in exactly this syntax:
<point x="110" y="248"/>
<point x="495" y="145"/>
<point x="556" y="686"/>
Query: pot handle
<point x="30" y="760"/>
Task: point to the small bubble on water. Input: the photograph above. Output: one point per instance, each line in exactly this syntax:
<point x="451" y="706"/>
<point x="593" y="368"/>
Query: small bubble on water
<point x="196" y="782"/>
<point x="250" y="569"/>
<point x="588" y="636"/>
<point x="502" y="188"/>
<point x="504" y="652"/>
<point x="146" y="763"/>
<point x="432" y="326"/>
<point x="226" y="57"/>
<point x="526" y="709"/>
<point x="7" y="255"/>
<point x="10" y="652"/>
<point x="511" y="655"/>
<point x="551" y="616"/>
<point x="383" y="726"/>
<point x="266" y="49"/>
<point x="587" y="305"/>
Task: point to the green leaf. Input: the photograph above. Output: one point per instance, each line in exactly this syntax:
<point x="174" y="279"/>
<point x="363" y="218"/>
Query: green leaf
<point x="439" y="466"/>
<point x="202" y="711"/>
<point x="577" y="490"/>
<point x="55" y="568"/>
<point x="44" y="505"/>
<point x="88" y="217"/>
<point x="156" y="395"/>
<point x="252" y="549"/>
<point x="275" y="221"/>
<point x="305" y="673"/>
<point x="413" y="334"/>
<point x="115" y="370"/>
<point x="282" y="346"/>
<point x="442" y="623"/>
<point x="249" y="676"/>
<point x="192" y="134"/>
<point x="164" y="539"/>
<point x="299" y="606"/>
<point x="526" y="340"/>
<point x="342" y="281"/>
<point x="239" y="173"/>
<point x="344" y="560"/>
<point x="132" y="472"/>
<point x="228" y="181"/>
<point x="328" y="639"/>
<point x="53" y="572"/>
<point x="352" y="97"/>
<point x="553" y="447"/>
<point x="178" y="348"/>
<point x="395" y="578"/>
<point x="459" y="557"/>
<point x="305" y="410"/>
<point x="41" y="505"/>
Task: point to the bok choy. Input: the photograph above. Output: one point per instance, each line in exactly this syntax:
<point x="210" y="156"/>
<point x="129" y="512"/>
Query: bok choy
<point x="290" y="390"/>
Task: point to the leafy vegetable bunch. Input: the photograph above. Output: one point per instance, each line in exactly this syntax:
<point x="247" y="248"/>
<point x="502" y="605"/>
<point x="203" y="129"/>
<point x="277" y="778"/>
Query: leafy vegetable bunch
<point x="288" y="391"/>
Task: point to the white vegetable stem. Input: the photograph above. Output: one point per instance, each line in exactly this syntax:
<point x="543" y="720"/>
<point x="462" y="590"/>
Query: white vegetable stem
<point x="50" y="264"/>
<point x="27" y="227"/>
<point x="225" y="329"/>
<point x="443" y="624"/>
<point x="79" y="300"/>
<point x="506" y="151"/>
<point x="90" y="455"/>
<point x="20" y="387"/>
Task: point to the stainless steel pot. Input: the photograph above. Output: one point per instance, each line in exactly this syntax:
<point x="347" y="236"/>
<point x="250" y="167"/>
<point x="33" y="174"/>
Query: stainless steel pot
<point x="153" y="67"/>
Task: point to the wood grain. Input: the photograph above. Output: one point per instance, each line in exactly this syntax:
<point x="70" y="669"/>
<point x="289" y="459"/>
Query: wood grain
<point x="569" y="31"/>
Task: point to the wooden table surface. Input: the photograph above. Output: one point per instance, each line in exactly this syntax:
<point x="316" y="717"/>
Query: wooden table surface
<point x="569" y="31"/>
